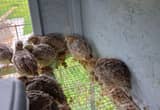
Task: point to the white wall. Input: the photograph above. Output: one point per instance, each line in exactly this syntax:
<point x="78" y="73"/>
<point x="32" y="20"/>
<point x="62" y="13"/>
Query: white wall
<point x="55" y="16"/>
<point x="129" y="30"/>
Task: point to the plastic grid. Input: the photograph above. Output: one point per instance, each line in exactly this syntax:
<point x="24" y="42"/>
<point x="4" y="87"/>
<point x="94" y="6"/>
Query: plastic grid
<point x="81" y="93"/>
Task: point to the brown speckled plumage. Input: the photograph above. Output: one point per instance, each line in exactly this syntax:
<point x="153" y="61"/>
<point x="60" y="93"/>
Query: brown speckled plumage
<point x="38" y="86"/>
<point x="5" y="54"/>
<point x="34" y="39"/>
<point x="55" y="40"/>
<point x="114" y="76"/>
<point x="78" y="47"/>
<point x="25" y="79"/>
<point x="48" y="70"/>
<point x="121" y="100"/>
<point x="90" y="66"/>
<point x="44" y="54"/>
<point x="113" y="72"/>
<point x="24" y="61"/>
<point x="39" y="100"/>
<point x="48" y="85"/>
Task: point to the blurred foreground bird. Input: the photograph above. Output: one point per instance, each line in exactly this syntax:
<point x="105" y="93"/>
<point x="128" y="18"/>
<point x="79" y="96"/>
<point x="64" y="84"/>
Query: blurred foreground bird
<point x="6" y="54"/>
<point x="39" y="100"/>
<point x="55" y="40"/>
<point x="24" y="61"/>
<point x="47" y="85"/>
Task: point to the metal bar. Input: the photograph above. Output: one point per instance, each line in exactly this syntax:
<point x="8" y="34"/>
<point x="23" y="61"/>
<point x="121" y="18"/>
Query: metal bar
<point x="13" y="26"/>
<point x="74" y="9"/>
<point x="17" y="33"/>
<point x="40" y="17"/>
<point x="35" y="16"/>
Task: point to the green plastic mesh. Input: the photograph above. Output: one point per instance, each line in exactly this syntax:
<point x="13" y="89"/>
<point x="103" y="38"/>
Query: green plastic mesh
<point x="80" y="92"/>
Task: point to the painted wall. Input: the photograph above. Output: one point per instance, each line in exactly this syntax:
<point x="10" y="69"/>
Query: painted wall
<point x="129" y="30"/>
<point x="55" y="16"/>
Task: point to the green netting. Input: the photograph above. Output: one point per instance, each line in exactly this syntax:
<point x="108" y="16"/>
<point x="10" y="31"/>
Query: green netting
<point x="80" y="92"/>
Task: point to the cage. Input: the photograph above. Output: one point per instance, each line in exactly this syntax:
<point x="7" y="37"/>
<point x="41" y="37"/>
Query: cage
<point x="15" y="22"/>
<point x="128" y="30"/>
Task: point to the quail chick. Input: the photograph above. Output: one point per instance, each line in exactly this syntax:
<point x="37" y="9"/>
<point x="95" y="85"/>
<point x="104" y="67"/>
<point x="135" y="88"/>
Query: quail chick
<point x="39" y="100"/>
<point x="48" y="85"/>
<point x="44" y="54"/>
<point x="24" y="61"/>
<point x="78" y="47"/>
<point x="25" y="79"/>
<point x="121" y="100"/>
<point x="48" y="71"/>
<point x="6" y="54"/>
<point x="34" y="39"/>
<point x="56" y="41"/>
<point x="113" y="73"/>
<point x="90" y="66"/>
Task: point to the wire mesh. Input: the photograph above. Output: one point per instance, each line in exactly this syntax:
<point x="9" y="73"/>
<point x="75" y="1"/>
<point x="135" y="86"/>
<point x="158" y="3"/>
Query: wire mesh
<point x="15" y="22"/>
<point x="81" y="93"/>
